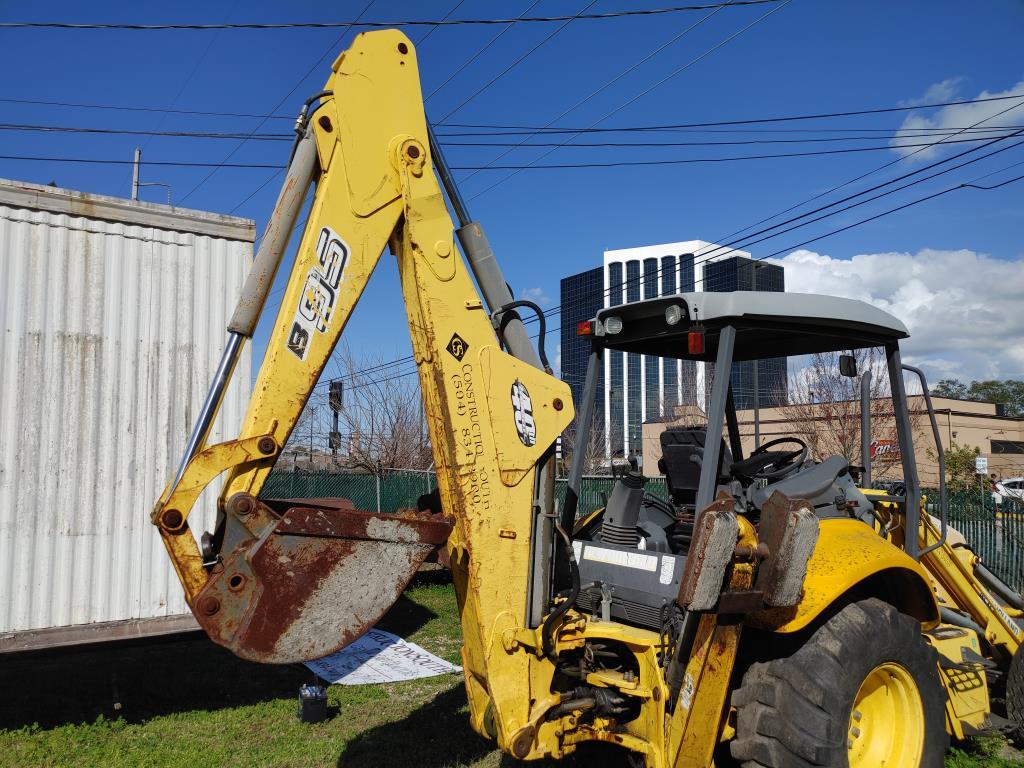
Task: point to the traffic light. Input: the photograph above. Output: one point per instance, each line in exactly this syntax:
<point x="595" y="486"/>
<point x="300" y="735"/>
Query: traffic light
<point x="334" y="398"/>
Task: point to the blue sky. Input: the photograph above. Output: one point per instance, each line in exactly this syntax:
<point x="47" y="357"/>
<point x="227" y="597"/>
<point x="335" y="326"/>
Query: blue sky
<point x="808" y="57"/>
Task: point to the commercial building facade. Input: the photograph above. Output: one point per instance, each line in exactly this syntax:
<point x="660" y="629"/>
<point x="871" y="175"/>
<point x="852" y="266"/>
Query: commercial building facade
<point x="966" y="423"/>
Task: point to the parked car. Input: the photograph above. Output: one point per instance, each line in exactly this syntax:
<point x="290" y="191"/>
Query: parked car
<point x="1009" y="489"/>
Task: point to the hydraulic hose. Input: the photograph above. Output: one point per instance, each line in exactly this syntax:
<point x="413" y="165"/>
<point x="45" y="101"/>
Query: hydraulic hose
<point x="570" y="595"/>
<point x="503" y="313"/>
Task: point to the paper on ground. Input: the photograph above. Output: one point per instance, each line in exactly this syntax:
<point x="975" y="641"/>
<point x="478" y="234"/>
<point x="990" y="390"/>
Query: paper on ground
<point x="379" y="657"/>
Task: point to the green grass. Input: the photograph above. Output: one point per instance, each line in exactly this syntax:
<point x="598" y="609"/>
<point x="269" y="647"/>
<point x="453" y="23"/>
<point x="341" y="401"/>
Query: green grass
<point x="187" y="702"/>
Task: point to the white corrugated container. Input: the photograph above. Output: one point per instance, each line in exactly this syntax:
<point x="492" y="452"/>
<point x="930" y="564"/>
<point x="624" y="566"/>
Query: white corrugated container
<point x="114" y="316"/>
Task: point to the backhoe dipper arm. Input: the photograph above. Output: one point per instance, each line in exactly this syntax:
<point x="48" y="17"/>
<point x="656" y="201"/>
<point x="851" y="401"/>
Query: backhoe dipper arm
<point x="283" y="583"/>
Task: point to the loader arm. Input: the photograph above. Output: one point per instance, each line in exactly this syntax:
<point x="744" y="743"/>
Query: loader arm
<point x="283" y="582"/>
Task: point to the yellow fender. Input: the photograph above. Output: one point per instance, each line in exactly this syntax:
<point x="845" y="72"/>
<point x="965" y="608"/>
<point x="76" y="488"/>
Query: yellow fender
<point x="851" y="559"/>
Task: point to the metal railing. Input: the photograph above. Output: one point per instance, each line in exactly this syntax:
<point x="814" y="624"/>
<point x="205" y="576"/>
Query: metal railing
<point x="995" y="533"/>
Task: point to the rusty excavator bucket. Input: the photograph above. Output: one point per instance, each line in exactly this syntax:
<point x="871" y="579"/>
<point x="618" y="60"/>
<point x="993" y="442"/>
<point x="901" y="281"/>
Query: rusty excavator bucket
<point x="301" y="578"/>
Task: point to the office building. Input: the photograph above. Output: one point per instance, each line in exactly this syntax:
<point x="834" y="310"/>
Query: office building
<point x="637" y="388"/>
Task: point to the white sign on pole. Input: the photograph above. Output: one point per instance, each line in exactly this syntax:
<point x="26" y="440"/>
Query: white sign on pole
<point x="981" y="465"/>
<point x="379" y="657"/>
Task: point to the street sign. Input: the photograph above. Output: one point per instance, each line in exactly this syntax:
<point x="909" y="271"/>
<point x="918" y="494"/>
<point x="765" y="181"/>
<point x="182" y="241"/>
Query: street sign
<point x="981" y="465"/>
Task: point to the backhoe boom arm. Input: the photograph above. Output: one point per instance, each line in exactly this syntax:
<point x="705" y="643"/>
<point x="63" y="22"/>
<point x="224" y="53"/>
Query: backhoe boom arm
<point x="286" y="582"/>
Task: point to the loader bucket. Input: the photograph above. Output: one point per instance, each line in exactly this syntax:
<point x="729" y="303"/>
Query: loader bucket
<point x="301" y="578"/>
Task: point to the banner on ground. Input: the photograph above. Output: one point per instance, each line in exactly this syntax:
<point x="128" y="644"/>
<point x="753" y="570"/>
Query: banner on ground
<point x="379" y="657"/>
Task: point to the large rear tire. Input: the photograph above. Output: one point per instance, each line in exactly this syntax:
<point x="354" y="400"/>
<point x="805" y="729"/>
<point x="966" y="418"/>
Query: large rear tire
<point x="864" y="690"/>
<point x="1015" y="694"/>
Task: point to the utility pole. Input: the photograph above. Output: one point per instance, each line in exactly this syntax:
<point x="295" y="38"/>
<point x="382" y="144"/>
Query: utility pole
<point x="135" y="174"/>
<point x="136" y="183"/>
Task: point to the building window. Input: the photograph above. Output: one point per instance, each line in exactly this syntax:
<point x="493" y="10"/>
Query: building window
<point x="650" y="278"/>
<point x="614" y="284"/>
<point x="632" y="281"/>
<point x="686" y="283"/>
<point x="668" y="275"/>
<point x="1007" y="446"/>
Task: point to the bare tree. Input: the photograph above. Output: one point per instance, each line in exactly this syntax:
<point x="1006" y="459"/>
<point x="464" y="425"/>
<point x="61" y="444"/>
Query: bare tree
<point x="381" y="420"/>
<point x="824" y="410"/>
<point x="594" y="460"/>
<point x="382" y="415"/>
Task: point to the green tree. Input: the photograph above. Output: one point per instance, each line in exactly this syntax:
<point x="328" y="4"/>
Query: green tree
<point x="960" y="475"/>
<point x="951" y="388"/>
<point x="1009" y="393"/>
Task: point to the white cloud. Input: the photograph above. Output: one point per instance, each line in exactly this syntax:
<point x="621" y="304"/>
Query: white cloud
<point x="964" y="310"/>
<point x="536" y="295"/>
<point x="984" y="114"/>
<point x="936" y="92"/>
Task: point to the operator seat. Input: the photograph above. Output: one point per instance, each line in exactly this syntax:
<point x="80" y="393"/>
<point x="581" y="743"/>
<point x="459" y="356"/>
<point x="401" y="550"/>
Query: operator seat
<point x="682" y="453"/>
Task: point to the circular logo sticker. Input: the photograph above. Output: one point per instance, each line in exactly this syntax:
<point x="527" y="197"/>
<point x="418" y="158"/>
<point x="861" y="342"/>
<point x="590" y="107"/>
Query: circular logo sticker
<point x="522" y="412"/>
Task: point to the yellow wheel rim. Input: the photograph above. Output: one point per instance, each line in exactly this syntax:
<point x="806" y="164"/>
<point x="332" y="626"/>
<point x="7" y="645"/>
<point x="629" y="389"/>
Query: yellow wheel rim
<point x="887" y="721"/>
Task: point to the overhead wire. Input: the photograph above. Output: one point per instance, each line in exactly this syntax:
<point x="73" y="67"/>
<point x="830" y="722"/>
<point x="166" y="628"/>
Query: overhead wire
<point x="865" y="129"/>
<point x="945" y="140"/>
<point x="373" y="24"/>
<point x="479" y="52"/>
<point x="528" y="167"/>
<point x="675" y="38"/>
<point x="632" y="100"/>
<point x="330" y="49"/>
<point x="516" y="63"/>
<point x="642" y="279"/>
<point x="965" y="185"/>
<point x="489" y="129"/>
<point x="290" y="137"/>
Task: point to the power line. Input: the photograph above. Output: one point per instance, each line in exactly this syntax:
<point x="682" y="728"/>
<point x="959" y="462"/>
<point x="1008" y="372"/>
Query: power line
<point x="632" y="100"/>
<point x="736" y="142"/>
<point x="671" y="75"/>
<point x="750" y="121"/>
<point x="34" y="127"/>
<point x="615" y="79"/>
<point x="516" y="63"/>
<point x="690" y="160"/>
<point x="740" y="241"/>
<point x="126" y="108"/>
<point x="330" y="49"/>
<point x="494" y="129"/>
<point x="275" y="175"/>
<point x="965" y="185"/>
<point x="528" y="167"/>
<point x="685" y="129"/>
<point x="873" y="171"/>
<point x="479" y="52"/>
<point x="287" y="137"/>
<point x="111" y="161"/>
<point x="374" y="24"/>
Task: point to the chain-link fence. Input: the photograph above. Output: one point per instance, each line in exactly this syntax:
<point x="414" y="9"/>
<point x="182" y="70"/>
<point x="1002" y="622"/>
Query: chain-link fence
<point x="386" y="492"/>
<point x="995" y="533"/>
<point x="400" y="488"/>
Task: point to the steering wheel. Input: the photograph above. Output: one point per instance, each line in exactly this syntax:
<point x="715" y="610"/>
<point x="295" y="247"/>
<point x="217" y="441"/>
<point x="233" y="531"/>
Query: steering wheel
<point x="766" y="464"/>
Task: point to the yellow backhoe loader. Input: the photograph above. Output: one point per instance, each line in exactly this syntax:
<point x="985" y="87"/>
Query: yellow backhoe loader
<point x="770" y="613"/>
